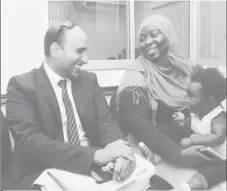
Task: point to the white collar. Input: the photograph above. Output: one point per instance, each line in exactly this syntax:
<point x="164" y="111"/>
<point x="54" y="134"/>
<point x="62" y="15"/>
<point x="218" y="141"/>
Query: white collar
<point x="53" y="76"/>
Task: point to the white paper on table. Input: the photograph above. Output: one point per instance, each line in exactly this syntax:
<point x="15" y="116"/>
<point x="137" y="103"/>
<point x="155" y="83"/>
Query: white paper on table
<point x="137" y="181"/>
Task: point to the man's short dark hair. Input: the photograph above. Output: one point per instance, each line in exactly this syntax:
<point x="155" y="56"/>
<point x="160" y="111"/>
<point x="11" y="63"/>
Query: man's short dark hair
<point x="55" y="34"/>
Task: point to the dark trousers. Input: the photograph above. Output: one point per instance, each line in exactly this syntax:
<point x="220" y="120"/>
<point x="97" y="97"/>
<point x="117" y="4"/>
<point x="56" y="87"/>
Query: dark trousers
<point x="158" y="183"/>
<point x="213" y="173"/>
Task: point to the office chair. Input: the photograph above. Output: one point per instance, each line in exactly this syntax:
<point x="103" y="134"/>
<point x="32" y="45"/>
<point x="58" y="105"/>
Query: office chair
<point x="6" y="149"/>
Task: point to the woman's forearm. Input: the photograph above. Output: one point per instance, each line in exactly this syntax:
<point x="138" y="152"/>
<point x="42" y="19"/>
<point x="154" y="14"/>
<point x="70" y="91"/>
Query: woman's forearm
<point x="137" y="121"/>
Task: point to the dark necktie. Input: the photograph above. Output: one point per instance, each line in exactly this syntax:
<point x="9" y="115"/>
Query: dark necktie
<point x="72" y="131"/>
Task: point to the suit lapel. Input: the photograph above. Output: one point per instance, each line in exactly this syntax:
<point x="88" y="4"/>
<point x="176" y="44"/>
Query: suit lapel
<point x="49" y="95"/>
<point x="79" y="95"/>
<point x="82" y="101"/>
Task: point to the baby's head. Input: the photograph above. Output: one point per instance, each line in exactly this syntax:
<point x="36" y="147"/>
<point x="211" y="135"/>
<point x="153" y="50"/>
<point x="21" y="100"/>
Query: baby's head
<point x="206" y="90"/>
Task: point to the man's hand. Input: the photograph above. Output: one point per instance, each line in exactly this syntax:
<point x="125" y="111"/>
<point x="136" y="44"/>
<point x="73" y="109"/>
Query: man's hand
<point x="113" y="151"/>
<point x="109" y="167"/>
<point x="123" y="168"/>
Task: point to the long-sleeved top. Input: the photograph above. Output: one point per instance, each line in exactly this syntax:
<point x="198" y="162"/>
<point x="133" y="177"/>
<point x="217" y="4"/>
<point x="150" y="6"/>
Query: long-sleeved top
<point x="137" y="120"/>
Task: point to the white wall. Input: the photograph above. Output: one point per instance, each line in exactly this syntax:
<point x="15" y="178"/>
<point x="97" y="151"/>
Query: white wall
<point x="178" y="13"/>
<point x="23" y="25"/>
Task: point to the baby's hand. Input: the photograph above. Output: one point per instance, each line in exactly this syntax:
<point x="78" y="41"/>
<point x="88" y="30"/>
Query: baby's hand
<point x="186" y="142"/>
<point x="178" y="117"/>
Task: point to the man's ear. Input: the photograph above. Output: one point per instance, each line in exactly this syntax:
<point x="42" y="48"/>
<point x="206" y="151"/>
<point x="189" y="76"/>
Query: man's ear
<point x="55" y="50"/>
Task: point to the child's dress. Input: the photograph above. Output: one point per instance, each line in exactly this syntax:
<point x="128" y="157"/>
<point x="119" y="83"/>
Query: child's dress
<point x="203" y="126"/>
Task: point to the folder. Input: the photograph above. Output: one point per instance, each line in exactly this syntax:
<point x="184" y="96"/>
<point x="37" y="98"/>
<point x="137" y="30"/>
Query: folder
<point x="139" y="180"/>
<point x="212" y="153"/>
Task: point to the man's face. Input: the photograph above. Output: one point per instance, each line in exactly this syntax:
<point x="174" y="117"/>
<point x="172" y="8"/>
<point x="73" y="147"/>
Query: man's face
<point x="153" y="43"/>
<point x="72" y="53"/>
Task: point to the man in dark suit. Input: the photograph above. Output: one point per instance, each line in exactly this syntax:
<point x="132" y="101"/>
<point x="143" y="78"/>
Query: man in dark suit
<point x="61" y="119"/>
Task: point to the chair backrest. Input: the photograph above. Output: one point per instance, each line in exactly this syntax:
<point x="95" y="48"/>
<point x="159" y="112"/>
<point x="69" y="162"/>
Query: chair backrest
<point x="6" y="149"/>
<point x="113" y="105"/>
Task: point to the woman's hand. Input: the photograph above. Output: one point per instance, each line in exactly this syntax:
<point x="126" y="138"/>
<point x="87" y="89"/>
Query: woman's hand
<point x="178" y="118"/>
<point x="148" y="154"/>
<point x="145" y="150"/>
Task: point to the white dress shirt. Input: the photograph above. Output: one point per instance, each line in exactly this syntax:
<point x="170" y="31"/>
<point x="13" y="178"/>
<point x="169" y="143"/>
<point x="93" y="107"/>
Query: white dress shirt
<point x="54" y="79"/>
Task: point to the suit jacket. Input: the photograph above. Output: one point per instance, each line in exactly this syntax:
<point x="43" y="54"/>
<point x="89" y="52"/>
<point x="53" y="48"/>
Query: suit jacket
<point x="33" y="109"/>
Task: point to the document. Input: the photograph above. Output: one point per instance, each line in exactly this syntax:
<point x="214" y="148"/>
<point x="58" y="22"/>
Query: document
<point x="213" y="153"/>
<point x="139" y="180"/>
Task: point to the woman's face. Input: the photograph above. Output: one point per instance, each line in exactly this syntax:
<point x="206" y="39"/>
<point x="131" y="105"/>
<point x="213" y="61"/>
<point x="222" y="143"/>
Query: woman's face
<point x="154" y="44"/>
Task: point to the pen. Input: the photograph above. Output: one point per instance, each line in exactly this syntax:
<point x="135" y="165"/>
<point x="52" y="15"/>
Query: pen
<point x="141" y="172"/>
<point x="61" y="185"/>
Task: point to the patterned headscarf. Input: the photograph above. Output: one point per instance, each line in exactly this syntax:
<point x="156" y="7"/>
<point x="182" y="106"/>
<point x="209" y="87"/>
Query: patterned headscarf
<point x="158" y="80"/>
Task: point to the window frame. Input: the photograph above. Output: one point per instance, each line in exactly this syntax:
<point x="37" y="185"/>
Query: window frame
<point x="194" y="51"/>
<point x="194" y="36"/>
<point x="94" y="65"/>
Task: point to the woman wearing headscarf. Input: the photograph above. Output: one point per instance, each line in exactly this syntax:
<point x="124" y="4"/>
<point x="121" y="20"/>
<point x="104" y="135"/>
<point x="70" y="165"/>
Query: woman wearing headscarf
<point x="157" y="79"/>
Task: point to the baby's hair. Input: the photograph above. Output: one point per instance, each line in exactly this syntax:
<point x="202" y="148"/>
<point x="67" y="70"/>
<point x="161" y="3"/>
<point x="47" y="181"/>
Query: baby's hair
<point x="212" y="81"/>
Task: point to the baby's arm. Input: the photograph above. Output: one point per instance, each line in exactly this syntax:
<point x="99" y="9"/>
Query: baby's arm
<point x="218" y="133"/>
<point x="216" y="137"/>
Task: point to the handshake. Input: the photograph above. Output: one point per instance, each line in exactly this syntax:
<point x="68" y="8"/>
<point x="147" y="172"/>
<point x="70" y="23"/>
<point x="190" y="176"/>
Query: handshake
<point x="116" y="158"/>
